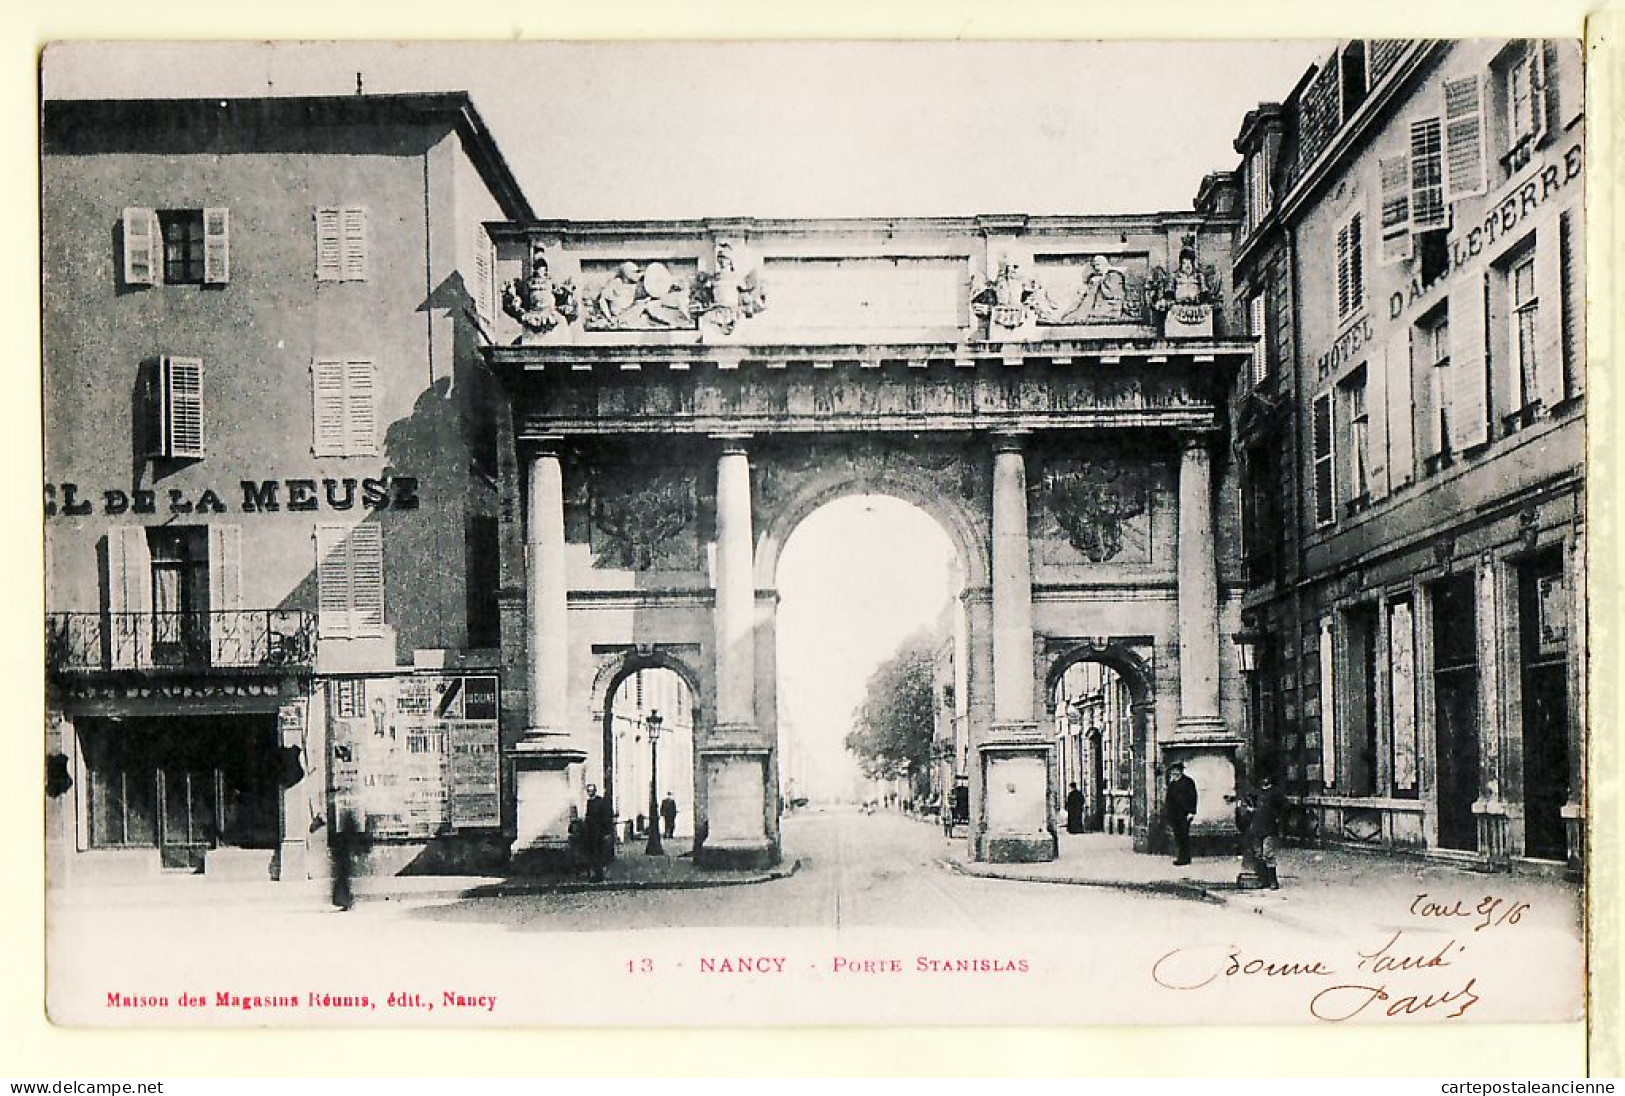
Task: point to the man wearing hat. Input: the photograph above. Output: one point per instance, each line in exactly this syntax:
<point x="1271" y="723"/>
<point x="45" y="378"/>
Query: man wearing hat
<point x="1178" y="806"/>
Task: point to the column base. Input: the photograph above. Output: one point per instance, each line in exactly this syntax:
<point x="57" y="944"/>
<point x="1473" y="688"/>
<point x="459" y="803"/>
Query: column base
<point x="732" y="834"/>
<point x="735" y="856"/>
<point x="1016" y="825"/>
<point x="1208" y="751"/>
<point x="546" y="796"/>
<point x="1494" y="835"/>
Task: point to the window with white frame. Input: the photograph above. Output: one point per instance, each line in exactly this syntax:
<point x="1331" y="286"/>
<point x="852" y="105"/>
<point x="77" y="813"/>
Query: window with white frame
<point x="1352" y="392"/>
<point x="341" y="244"/>
<point x="1433" y="347"/>
<point x="177" y="246"/>
<point x="345" y="413"/>
<point x="350" y="580"/>
<point x="1350" y="268"/>
<point x="1325" y="477"/>
<point x="1522" y="74"/>
<point x="1525" y="312"/>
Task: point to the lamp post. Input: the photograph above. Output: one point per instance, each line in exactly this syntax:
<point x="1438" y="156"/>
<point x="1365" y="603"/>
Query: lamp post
<point x="653" y="848"/>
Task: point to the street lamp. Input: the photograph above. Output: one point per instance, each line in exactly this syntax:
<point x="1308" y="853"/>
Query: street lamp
<point x="653" y="848"/>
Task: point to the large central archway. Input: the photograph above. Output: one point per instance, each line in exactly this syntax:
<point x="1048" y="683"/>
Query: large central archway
<point x="864" y="581"/>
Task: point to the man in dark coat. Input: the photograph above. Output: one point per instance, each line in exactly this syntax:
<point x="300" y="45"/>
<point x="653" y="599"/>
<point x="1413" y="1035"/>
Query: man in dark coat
<point x="1178" y="807"/>
<point x="1074" y="810"/>
<point x="1264" y="828"/>
<point x="668" y="815"/>
<point x="598" y="832"/>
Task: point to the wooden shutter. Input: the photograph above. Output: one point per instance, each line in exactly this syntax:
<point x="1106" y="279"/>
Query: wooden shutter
<point x="1565" y="81"/>
<point x="1350" y="269"/>
<point x="1549" y="386"/>
<point x="1572" y="287"/>
<point x="1428" y="209"/>
<point x="1376" y="425"/>
<point x="1323" y="458"/>
<point x="141" y="247"/>
<point x="217" y="245"/>
<point x="1466" y="175"/>
<point x="230" y="640"/>
<point x="328" y="246"/>
<point x="484" y="291"/>
<point x="333" y="581"/>
<point x="353" y="258"/>
<point x="367" y="580"/>
<point x="1257" y="323"/>
<point x="1468" y="382"/>
<point x="1400" y="422"/>
<point x="1539" y="97"/>
<point x="360" y="417"/>
<point x="327" y="387"/>
<point x="1394" y="174"/>
<point x="350" y="580"/>
<point x="129" y="596"/>
<point x="180" y="408"/>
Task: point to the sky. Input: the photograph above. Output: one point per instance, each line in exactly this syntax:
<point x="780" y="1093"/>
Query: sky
<point x="856" y="578"/>
<point x="792" y="129"/>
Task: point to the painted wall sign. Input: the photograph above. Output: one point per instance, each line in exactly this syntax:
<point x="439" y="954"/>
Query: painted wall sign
<point x="1501" y="220"/>
<point x="252" y="497"/>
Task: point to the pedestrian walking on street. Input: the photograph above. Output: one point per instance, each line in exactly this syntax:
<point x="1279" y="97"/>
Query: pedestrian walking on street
<point x="1178" y="807"/>
<point x="1074" y="810"/>
<point x="668" y="815"/>
<point x="1263" y="828"/>
<point x="597" y="832"/>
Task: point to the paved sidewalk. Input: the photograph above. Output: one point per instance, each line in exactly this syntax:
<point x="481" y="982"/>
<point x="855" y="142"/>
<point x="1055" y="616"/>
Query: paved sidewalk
<point x="632" y="870"/>
<point x="1317" y="885"/>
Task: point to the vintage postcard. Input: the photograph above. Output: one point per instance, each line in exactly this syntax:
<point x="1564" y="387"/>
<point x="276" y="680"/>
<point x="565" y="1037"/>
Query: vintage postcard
<point x="815" y="533"/>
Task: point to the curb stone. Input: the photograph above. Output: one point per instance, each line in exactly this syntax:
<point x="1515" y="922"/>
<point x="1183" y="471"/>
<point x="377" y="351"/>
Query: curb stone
<point x="1190" y="892"/>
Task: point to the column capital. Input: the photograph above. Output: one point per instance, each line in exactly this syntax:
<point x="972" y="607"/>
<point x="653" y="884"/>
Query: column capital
<point x="1008" y="441"/>
<point x="548" y="445"/>
<point x="733" y="444"/>
<point x="1201" y="438"/>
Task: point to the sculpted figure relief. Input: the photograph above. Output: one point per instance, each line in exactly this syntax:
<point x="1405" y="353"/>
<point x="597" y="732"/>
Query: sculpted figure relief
<point x="1185" y="298"/>
<point x="724" y="297"/>
<point x="539" y="303"/>
<point x="1006" y="302"/>
<point x="637" y="298"/>
<point x="1104" y="295"/>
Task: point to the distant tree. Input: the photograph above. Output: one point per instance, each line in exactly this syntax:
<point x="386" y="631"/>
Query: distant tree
<point x="892" y="736"/>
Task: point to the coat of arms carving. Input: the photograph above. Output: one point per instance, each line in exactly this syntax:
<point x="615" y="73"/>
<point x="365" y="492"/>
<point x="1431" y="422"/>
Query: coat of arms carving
<point x="1093" y="501"/>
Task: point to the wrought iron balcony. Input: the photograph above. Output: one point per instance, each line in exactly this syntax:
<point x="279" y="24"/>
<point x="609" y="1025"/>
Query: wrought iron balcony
<point x="282" y="639"/>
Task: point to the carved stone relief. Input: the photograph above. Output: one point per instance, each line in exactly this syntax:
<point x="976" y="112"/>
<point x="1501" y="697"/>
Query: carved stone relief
<point x="540" y="303"/>
<point x="642" y="518"/>
<point x="1100" y="505"/>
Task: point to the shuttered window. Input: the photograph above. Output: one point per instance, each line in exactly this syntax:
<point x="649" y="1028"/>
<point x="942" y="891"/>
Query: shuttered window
<point x="345" y="410"/>
<point x="1433" y="344"/>
<point x="1525" y="316"/>
<point x="177" y="431"/>
<point x="1466" y="176"/>
<point x="1256" y="328"/>
<point x="141" y="243"/>
<point x="1526" y="98"/>
<point x="1353" y="395"/>
<point x="341" y="244"/>
<point x="1325" y="479"/>
<point x="1428" y="209"/>
<point x="350" y="580"/>
<point x="1394" y="173"/>
<point x="1573" y="317"/>
<point x="1350" y="269"/>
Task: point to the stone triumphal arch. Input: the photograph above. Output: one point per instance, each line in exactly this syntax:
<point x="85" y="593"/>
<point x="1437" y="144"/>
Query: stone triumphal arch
<point x="681" y="394"/>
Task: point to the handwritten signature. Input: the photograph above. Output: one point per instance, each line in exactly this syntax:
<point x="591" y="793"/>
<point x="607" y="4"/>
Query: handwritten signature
<point x="1372" y="974"/>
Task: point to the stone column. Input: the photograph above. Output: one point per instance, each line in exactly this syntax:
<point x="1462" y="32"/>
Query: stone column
<point x="547" y="763"/>
<point x="1198" y="590"/>
<point x="1016" y="822"/>
<point x="1201" y="740"/>
<point x="1012" y="587"/>
<point x="734" y="762"/>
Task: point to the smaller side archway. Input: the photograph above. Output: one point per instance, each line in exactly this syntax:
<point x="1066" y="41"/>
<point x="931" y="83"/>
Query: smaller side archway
<point x="1104" y="725"/>
<point x="630" y="687"/>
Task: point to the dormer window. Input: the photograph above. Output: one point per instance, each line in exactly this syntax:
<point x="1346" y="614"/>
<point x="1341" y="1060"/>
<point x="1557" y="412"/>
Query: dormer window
<point x="1352" y="70"/>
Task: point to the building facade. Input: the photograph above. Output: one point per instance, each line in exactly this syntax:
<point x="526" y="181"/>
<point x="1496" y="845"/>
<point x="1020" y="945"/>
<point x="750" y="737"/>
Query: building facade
<point x="271" y="501"/>
<point x="1411" y="440"/>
